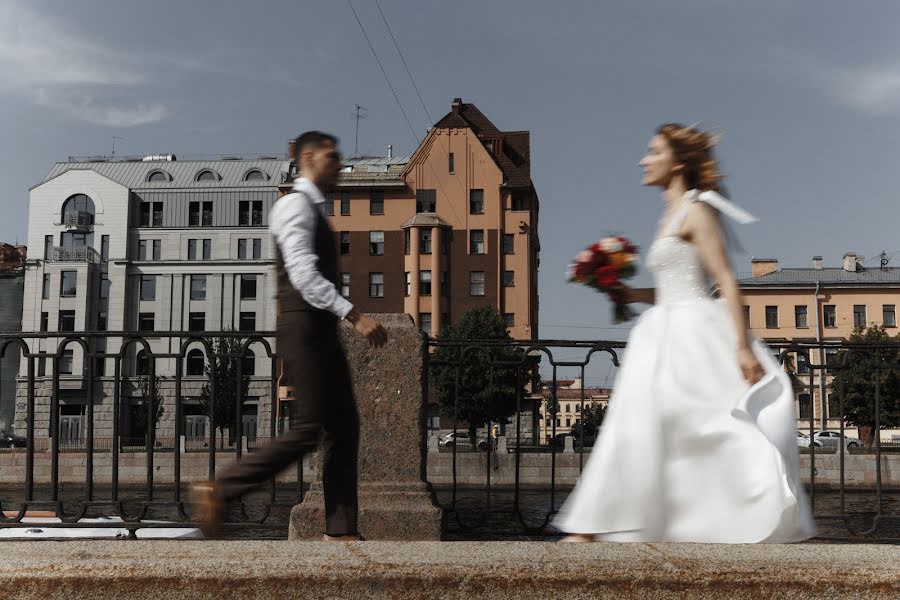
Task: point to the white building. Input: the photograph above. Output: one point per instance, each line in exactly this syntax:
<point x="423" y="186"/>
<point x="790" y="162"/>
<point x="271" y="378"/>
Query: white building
<point x="148" y="245"/>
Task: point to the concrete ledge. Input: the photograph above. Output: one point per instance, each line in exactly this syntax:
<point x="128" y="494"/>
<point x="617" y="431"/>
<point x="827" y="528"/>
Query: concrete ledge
<point x="444" y="570"/>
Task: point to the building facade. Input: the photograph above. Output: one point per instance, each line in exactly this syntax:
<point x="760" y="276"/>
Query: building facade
<point x="569" y="394"/>
<point x="815" y="304"/>
<point x="12" y="287"/>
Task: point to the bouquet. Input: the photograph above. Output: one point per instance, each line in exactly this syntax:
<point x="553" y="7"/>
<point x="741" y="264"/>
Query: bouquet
<point x="603" y="266"/>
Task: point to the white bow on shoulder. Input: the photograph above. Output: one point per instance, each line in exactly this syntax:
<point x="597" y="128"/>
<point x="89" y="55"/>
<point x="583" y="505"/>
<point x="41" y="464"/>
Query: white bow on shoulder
<point x="722" y="204"/>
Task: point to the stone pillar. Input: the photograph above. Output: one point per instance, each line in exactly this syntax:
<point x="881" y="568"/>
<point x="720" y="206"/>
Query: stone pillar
<point x="436" y="281"/>
<point x="395" y="501"/>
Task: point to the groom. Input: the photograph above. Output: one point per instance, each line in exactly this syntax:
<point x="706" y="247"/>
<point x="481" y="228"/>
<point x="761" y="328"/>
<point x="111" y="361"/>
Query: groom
<point x="315" y="365"/>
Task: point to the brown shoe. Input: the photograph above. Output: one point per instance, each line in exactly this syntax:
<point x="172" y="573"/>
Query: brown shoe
<point x="209" y="507"/>
<point x="347" y="537"/>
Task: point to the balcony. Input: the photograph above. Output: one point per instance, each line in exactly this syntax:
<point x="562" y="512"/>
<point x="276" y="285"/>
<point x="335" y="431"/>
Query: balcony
<point x="85" y="254"/>
<point x="79" y="220"/>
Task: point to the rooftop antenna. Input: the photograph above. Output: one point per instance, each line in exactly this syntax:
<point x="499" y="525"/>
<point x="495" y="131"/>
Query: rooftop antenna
<point x="884" y="260"/>
<point x="358" y="115"/>
<point x="114" y="138"/>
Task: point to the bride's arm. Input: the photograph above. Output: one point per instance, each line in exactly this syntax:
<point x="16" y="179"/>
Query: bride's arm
<point x="703" y="228"/>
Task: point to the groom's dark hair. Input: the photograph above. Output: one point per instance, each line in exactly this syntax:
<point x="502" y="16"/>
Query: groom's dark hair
<point x="312" y="139"/>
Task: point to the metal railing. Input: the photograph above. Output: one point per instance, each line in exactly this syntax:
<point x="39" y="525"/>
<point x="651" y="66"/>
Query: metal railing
<point x="503" y="506"/>
<point x="100" y="436"/>
<point x="78" y="219"/>
<point x="83" y="254"/>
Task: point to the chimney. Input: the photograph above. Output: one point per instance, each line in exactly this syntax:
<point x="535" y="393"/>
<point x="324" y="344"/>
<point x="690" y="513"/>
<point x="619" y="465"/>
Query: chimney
<point x="454" y="106"/>
<point x="763" y="266"/>
<point x="390" y="151"/>
<point x="852" y="262"/>
<point x="292" y="149"/>
<point x="817" y="263"/>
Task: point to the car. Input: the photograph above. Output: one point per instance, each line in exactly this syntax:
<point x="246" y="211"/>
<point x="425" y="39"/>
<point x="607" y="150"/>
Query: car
<point x="462" y="439"/>
<point x="827" y="439"/>
<point x="802" y="440"/>
<point x="9" y="440"/>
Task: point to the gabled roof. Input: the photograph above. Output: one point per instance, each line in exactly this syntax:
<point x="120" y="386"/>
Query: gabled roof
<point x="889" y="276"/>
<point x="513" y="154"/>
<point x="133" y="174"/>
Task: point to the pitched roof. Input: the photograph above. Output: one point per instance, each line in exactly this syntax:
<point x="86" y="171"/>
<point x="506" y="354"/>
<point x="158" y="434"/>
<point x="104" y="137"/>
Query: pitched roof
<point x="133" y="174"/>
<point x="889" y="276"/>
<point x="514" y="153"/>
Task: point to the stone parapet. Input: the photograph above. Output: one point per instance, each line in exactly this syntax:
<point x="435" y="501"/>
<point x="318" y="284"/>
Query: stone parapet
<point x="444" y="570"/>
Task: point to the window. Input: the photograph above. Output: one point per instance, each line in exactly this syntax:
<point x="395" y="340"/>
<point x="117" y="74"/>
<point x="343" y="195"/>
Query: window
<point x="834" y="406"/>
<point x="104" y="287"/>
<point x="66" y="320"/>
<point x="519" y="201"/>
<point x="248" y="363"/>
<point x="200" y="249"/>
<point x="408" y="283"/>
<point x="45" y="321"/>
<point x="329" y="204"/>
<point x="200" y="214"/>
<point x="345" y="243"/>
<point x="376" y="203"/>
<point x="196" y="321"/>
<point x="407" y="237"/>
<point x="509" y="243"/>
<point x="376" y="243"/>
<point x="151" y="214"/>
<point x="207" y="175"/>
<point x="424" y="283"/>
<point x="104" y="248"/>
<point x="376" y="285"/>
<point x="149" y="249"/>
<point x="157" y="249"/>
<point x="445" y="287"/>
<point x="426" y="201"/>
<point x="141" y="363"/>
<point x="247" y="321"/>
<point x="476" y="202"/>
<point x="345" y="285"/>
<point x="68" y="285"/>
<point x="45" y="292"/>
<point x="345" y="203"/>
<point x="255" y="175"/>
<point x="806" y="407"/>
<point x="859" y="315"/>
<point x="476" y="283"/>
<point x="242" y="249"/>
<point x="772" y="317"/>
<point x="158" y="177"/>
<point x="248" y="287"/>
<point x="830" y="315"/>
<point x="146" y="321"/>
<point x="476" y="241"/>
<point x="802" y="364"/>
<point x="101" y="322"/>
<point x="142" y="249"/>
<point x="510" y="319"/>
<point x="48" y="247"/>
<point x="148" y="287"/>
<point x="451" y="163"/>
<point x="424" y="241"/>
<point x="257" y="248"/>
<point x="425" y="322"/>
<point x="195" y="362"/>
<point x="800" y="319"/>
<point x="198" y="287"/>
<point x="250" y="212"/>
<point x="66" y="361"/>
<point x="746" y="316"/>
<point x="78" y="210"/>
<point x="890" y="315"/>
<point x="509" y="279"/>
<point x="42" y="367"/>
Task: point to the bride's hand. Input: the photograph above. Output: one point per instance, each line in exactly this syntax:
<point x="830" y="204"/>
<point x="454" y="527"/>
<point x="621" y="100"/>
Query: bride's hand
<point x="751" y="369"/>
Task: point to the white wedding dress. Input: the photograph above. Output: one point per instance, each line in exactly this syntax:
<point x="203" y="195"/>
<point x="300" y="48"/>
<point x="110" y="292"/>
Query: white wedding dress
<point x="688" y="451"/>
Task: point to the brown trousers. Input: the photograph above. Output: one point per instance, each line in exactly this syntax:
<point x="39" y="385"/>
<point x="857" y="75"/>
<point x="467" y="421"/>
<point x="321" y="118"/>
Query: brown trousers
<point x="324" y="411"/>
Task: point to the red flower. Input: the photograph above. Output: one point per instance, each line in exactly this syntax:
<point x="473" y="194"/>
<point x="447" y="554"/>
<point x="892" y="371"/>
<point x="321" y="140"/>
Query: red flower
<point x="606" y="276"/>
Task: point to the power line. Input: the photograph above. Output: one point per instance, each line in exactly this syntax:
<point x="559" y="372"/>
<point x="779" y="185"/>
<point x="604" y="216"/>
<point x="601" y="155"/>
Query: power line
<point x="405" y="66"/>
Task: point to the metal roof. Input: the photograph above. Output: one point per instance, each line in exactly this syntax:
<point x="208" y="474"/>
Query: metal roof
<point x="827" y="276"/>
<point x="133" y="174"/>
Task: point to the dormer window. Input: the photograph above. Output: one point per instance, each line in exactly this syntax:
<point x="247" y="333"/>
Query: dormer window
<point x="159" y="176"/>
<point x="207" y="175"/>
<point x="255" y="175"/>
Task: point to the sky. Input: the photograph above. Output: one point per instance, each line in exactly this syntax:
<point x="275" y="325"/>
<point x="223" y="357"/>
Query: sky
<point x="806" y="94"/>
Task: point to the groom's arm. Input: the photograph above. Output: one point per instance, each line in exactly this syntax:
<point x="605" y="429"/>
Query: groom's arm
<point x="645" y="295"/>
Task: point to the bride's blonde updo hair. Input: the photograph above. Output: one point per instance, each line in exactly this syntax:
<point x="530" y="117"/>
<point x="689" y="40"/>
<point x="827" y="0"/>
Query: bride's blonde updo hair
<point x="693" y="148"/>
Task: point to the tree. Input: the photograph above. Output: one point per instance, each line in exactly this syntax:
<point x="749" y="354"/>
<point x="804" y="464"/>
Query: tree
<point x="486" y="393"/>
<point x="591" y="419"/>
<point x="859" y="376"/>
<point x="222" y="367"/>
<point x="140" y="418"/>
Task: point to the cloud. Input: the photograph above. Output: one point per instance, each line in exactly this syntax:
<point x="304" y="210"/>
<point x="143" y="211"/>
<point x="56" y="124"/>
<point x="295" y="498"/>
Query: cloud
<point x="57" y="68"/>
<point x="873" y="90"/>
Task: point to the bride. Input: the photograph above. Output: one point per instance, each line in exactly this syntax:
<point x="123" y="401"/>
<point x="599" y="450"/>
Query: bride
<point x="698" y="444"/>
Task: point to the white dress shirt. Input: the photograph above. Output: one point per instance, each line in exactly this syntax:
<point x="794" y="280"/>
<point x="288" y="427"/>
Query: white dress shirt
<point x="292" y="223"/>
